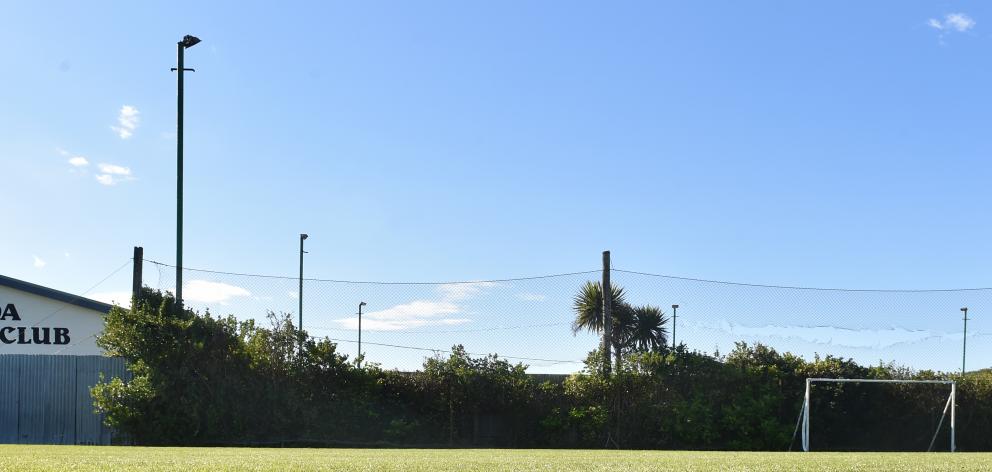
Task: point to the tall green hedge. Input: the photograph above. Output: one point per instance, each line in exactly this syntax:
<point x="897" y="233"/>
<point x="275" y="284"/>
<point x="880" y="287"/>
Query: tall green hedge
<point x="203" y="380"/>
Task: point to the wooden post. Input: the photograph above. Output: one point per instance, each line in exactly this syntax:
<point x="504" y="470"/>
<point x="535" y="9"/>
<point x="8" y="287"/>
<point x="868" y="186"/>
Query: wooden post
<point x="607" y="314"/>
<point x="139" y="258"/>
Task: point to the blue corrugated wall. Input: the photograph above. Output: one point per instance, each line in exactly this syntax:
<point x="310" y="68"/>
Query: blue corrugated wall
<point x="46" y="399"/>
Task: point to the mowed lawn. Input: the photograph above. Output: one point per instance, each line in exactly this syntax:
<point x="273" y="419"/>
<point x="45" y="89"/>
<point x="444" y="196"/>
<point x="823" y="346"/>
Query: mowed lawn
<point x="83" y="458"/>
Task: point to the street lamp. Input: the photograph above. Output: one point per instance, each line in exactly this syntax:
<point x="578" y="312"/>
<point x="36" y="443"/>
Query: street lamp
<point x="360" y="305"/>
<point x="964" y="340"/>
<point x="299" y="297"/>
<point x="674" y="317"/>
<point x="188" y="41"/>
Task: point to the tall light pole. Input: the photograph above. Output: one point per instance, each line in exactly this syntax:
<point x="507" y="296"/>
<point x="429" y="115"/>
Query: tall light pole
<point x="360" y="305"/>
<point x="299" y="297"/>
<point x="187" y="42"/>
<point x="674" y="317"/>
<point x="964" y="340"/>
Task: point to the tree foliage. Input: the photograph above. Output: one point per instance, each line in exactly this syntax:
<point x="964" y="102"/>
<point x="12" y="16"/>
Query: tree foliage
<point x="202" y="380"/>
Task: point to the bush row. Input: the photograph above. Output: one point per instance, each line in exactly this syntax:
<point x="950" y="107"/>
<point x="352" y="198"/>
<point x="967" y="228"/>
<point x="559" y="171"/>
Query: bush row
<point x="203" y="380"/>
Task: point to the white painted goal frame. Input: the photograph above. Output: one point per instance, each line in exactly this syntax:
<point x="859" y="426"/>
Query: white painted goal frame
<point x="804" y="413"/>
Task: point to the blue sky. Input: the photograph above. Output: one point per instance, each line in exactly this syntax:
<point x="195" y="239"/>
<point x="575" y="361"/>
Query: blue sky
<point x="842" y="144"/>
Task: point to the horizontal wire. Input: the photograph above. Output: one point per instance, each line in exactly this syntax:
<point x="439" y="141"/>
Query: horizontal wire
<point x="565" y="274"/>
<point x="126" y="263"/>
<point x="283" y="277"/>
<point x="788" y="287"/>
<point x="557" y="361"/>
<point x="476" y="330"/>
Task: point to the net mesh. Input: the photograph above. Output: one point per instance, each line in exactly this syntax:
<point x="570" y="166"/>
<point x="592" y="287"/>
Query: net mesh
<point x="529" y="320"/>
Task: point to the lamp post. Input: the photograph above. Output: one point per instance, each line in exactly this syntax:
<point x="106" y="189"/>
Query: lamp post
<point x="360" y="305"/>
<point x="964" y="340"/>
<point x="187" y="42"/>
<point x="674" y="317"/>
<point x="299" y="297"/>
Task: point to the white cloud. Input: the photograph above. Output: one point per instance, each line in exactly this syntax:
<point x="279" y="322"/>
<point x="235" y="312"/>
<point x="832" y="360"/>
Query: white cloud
<point x="531" y="297"/>
<point x="79" y="161"/>
<point x="63" y="152"/>
<point x="39" y="262"/>
<point x="397" y="325"/>
<point x="418" y="313"/>
<point x="112" y="174"/>
<point x="959" y="22"/>
<point x="293" y="295"/>
<point x="114" y="169"/>
<point x="212" y="292"/>
<point x="122" y="299"/>
<point x="128" y="120"/>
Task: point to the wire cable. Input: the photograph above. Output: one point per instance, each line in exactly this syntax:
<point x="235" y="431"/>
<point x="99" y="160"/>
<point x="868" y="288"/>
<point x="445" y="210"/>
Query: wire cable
<point x="557" y="361"/>
<point x="788" y="287"/>
<point x="84" y="293"/>
<point x="514" y="279"/>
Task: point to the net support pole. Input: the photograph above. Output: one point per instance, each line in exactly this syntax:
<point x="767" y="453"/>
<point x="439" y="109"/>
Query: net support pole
<point x="137" y="269"/>
<point x="806" y="417"/>
<point x="799" y="424"/>
<point x="954" y="400"/>
<point x="940" y="423"/>
<point x="607" y="314"/>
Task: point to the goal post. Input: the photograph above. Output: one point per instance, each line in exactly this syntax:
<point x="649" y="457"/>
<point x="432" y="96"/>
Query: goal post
<point x="804" y="416"/>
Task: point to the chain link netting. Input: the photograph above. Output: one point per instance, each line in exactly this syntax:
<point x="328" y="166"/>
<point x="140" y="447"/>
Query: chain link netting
<point x="529" y="320"/>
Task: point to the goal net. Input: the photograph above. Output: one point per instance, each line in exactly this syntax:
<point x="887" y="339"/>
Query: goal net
<point x="804" y="420"/>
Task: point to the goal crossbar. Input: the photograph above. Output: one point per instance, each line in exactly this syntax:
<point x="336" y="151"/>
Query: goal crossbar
<point x="803" y="420"/>
<point x="945" y="382"/>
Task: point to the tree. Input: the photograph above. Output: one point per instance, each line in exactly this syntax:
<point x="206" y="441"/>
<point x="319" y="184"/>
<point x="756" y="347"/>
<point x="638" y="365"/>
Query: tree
<point x="639" y="328"/>
<point x="646" y="331"/>
<point x="588" y="306"/>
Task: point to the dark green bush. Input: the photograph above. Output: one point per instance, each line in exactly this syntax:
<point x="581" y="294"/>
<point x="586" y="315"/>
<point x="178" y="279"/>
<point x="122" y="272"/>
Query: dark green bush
<point x="202" y="380"/>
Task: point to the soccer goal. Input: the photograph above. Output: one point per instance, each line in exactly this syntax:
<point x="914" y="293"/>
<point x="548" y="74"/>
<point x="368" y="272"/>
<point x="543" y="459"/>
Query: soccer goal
<point x="804" y="418"/>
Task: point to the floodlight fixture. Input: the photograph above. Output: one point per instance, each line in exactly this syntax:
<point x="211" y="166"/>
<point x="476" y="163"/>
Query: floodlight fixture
<point x="189" y="41"/>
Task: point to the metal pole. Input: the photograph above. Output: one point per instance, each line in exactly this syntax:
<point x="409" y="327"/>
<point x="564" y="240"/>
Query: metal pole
<point x="964" y="340"/>
<point x="188" y="41"/>
<point x="360" y="305"/>
<point x="954" y="400"/>
<point x="179" y="176"/>
<point x="675" y="309"/>
<point x="607" y="314"/>
<point x="303" y="236"/>
<point x="806" y="417"/>
<point x="940" y="423"/>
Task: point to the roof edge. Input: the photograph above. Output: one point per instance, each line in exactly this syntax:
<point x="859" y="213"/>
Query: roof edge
<point x="53" y="294"/>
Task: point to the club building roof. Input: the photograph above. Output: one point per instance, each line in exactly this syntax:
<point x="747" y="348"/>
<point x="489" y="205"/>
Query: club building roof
<point x="53" y="294"/>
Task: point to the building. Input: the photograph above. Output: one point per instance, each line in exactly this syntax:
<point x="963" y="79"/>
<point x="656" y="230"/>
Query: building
<point x="49" y="359"/>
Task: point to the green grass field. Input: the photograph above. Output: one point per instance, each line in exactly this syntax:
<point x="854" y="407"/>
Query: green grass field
<point x="83" y="458"/>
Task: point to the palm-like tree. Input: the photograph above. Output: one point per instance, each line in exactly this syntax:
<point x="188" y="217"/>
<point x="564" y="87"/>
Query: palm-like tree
<point x="588" y="306"/>
<point x="647" y="330"/>
<point x="633" y="328"/>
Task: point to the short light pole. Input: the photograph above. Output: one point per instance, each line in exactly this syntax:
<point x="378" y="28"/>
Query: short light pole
<point x="360" y="305"/>
<point x="303" y="236"/>
<point x="187" y="42"/>
<point x="964" y="340"/>
<point x="674" y="317"/>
